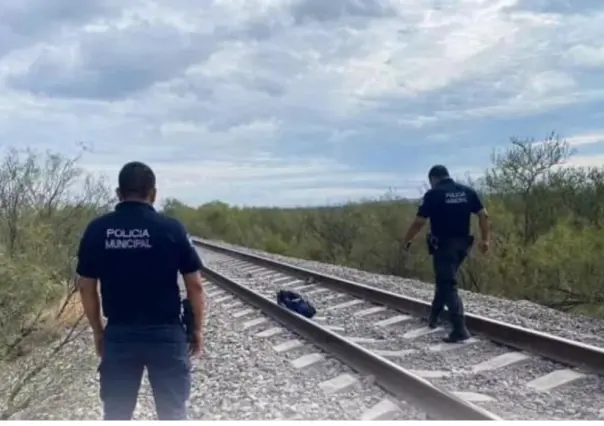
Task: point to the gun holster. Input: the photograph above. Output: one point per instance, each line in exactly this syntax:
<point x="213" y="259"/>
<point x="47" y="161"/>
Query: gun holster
<point x="432" y="243"/>
<point x="188" y="319"/>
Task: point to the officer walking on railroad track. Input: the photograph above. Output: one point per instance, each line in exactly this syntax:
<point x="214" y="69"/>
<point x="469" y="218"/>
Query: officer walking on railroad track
<point x="136" y="254"/>
<point x="449" y="205"/>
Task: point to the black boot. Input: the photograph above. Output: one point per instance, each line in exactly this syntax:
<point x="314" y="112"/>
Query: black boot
<point x="433" y="321"/>
<point x="459" y="332"/>
<point x="435" y="312"/>
<point x="457" y="336"/>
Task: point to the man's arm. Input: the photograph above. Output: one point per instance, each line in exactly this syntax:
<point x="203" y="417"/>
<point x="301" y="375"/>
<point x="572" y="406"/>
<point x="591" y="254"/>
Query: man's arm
<point x="423" y="213"/>
<point x="413" y="230"/>
<point x="483" y="218"/>
<point x="484" y="225"/>
<point x="89" y="295"/>
<point x="190" y="266"/>
<point x="87" y="281"/>
<point x="196" y="296"/>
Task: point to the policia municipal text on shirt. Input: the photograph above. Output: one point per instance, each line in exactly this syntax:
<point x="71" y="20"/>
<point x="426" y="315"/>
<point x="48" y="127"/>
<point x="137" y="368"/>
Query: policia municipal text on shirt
<point x="135" y="254"/>
<point x="449" y="206"/>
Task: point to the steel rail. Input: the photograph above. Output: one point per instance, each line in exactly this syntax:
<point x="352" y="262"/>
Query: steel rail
<point x="564" y="351"/>
<point x="437" y="403"/>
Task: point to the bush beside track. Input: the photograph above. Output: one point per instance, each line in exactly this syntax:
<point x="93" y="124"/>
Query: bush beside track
<point x="46" y="200"/>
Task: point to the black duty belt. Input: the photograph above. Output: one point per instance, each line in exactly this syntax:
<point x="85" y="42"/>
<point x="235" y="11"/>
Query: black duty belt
<point x="434" y="242"/>
<point x="143" y="321"/>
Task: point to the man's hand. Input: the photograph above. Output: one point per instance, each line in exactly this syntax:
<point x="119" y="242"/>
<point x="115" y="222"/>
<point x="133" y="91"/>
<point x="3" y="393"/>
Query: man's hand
<point x="406" y="253"/>
<point x="89" y="296"/>
<point x="98" y="343"/>
<point x="196" y="346"/>
<point x="483" y="245"/>
<point x="485" y="230"/>
<point x="413" y="230"/>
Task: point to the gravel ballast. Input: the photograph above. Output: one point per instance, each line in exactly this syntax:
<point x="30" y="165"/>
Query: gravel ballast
<point x="507" y="389"/>
<point x="523" y="313"/>
<point x="239" y="377"/>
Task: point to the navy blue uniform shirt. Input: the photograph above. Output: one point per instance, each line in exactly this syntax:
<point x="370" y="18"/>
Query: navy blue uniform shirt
<point x="449" y="206"/>
<point x="136" y="253"/>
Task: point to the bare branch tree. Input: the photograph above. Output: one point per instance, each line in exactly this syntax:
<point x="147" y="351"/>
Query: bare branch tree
<point x="519" y="169"/>
<point x="46" y="200"/>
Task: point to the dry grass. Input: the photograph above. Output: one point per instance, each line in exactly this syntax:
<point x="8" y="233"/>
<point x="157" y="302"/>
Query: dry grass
<point x="67" y="312"/>
<point x="59" y="317"/>
<point x="46" y="327"/>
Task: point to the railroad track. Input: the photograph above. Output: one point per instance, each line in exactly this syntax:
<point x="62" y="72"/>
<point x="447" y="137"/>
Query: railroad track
<point x="504" y="371"/>
<point x="298" y="339"/>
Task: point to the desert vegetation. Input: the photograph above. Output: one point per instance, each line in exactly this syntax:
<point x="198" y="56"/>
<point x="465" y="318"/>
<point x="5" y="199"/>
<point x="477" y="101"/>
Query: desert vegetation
<point x="46" y="200"/>
<point x="547" y="230"/>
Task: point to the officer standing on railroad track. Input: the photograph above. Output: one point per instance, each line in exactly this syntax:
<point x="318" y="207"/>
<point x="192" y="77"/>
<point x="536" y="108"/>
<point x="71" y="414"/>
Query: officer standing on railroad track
<point x="136" y="254"/>
<point x="449" y="205"/>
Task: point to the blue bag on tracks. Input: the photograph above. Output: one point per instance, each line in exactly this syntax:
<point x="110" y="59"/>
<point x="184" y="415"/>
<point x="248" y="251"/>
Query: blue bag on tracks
<point x="294" y="302"/>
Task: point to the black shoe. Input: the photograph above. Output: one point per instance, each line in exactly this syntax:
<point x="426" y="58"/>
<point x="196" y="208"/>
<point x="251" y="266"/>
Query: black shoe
<point x="457" y="337"/>
<point x="432" y="322"/>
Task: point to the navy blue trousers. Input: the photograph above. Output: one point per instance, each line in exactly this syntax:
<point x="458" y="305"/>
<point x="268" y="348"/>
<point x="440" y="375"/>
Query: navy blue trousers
<point x="127" y="351"/>
<point x="446" y="261"/>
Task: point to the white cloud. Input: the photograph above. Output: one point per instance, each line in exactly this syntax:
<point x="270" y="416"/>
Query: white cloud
<point x="586" y="161"/>
<point x="549" y="82"/>
<point x="293" y="101"/>
<point x="587" y="56"/>
<point x="586" y="138"/>
<point x="263" y="179"/>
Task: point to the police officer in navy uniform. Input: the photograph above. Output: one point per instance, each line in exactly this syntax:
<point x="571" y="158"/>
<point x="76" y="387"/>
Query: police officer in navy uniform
<point x="449" y="206"/>
<point x="135" y="254"/>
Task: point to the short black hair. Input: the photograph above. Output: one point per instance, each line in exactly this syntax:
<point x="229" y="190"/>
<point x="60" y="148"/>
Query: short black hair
<point x="439" y="172"/>
<point x="136" y="179"/>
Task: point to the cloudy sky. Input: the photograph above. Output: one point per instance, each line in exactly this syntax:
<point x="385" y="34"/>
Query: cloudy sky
<point x="293" y="102"/>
